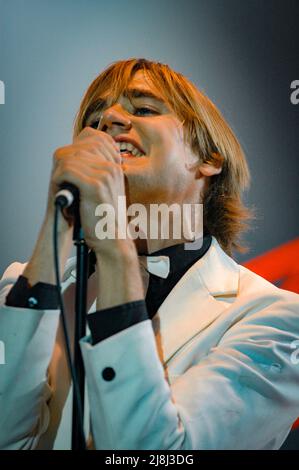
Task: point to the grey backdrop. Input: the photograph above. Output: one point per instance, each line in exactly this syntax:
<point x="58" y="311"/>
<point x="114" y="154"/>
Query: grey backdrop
<point x="243" y="55"/>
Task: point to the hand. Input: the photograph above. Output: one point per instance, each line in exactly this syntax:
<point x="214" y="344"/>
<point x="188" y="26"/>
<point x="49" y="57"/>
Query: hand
<point x="93" y="164"/>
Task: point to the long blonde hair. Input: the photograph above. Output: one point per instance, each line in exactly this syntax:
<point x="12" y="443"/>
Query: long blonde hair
<point x="205" y="129"/>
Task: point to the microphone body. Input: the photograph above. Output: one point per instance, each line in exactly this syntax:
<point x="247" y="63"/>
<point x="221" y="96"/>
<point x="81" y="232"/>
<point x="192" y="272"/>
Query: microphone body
<point x="67" y="196"/>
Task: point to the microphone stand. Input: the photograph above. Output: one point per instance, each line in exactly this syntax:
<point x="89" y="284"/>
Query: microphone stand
<point x="78" y="440"/>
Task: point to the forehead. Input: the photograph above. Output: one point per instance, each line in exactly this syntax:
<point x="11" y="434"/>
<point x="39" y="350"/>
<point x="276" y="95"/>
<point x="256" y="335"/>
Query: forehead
<point x="140" y="85"/>
<point x="142" y="81"/>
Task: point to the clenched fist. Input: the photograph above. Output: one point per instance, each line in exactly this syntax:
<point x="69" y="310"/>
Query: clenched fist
<point x="93" y="164"/>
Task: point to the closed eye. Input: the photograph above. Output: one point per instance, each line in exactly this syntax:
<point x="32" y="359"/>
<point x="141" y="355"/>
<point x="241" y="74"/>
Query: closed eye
<point x="143" y="111"/>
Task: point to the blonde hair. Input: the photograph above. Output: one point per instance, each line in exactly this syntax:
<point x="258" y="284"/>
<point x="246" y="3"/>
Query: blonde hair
<point x="205" y="129"/>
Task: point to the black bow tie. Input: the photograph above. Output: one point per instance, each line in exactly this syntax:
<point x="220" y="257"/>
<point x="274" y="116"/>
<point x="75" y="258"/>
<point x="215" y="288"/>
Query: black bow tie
<point x="157" y="265"/>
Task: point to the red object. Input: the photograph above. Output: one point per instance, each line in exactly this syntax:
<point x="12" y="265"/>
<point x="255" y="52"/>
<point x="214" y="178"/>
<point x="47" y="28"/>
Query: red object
<point x="280" y="264"/>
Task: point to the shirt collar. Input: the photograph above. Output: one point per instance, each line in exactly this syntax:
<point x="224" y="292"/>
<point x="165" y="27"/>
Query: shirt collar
<point x="181" y="256"/>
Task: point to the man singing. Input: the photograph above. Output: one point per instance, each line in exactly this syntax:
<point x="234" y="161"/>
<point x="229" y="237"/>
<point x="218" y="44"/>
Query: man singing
<point x="186" y="349"/>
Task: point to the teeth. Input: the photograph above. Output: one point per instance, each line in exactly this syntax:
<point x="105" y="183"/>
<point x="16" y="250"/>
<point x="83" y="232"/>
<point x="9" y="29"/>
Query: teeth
<point x="130" y="148"/>
<point x="126" y="146"/>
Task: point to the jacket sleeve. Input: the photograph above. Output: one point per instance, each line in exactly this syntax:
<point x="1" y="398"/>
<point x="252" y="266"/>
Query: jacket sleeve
<point x="28" y="338"/>
<point x="243" y="395"/>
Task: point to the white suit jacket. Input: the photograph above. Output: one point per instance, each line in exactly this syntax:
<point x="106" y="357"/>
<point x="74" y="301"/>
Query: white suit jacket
<point x="214" y="369"/>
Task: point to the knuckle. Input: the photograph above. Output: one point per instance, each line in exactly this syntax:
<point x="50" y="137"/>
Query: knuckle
<point x="59" y="153"/>
<point x="65" y="171"/>
<point x="109" y="137"/>
<point x="116" y="170"/>
<point x="109" y="170"/>
<point x="78" y="153"/>
<point x="106" y="177"/>
<point x="87" y="131"/>
<point x="63" y="153"/>
<point x="99" y="187"/>
<point x="99" y="145"/>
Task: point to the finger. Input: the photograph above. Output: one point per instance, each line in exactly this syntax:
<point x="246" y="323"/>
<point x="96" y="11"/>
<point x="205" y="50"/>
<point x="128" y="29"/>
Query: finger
<point x="97" y="135"/>
<point x="87" y="151"/>
<point x="106" y="149"/>
<point x="73" y="175"/>
<point x="101" y="147"/>
<point x="93" y="169"/>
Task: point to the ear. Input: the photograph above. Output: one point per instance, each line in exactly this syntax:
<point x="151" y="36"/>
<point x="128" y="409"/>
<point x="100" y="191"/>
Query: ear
<point x="209" y="169"/>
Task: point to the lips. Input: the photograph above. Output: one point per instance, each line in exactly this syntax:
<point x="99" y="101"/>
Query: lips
<point x="128" y="155"/>
<point x="129" y="147"/>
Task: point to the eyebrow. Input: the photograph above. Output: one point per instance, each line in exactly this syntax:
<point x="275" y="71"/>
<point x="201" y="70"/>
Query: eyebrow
<point x="141" y="93"/>
<point x="129" y="93"/>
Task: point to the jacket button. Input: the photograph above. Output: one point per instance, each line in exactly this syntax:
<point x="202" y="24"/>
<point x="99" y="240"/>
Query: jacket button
<point x="108" y="374"/>
<point x="32" y="302"/>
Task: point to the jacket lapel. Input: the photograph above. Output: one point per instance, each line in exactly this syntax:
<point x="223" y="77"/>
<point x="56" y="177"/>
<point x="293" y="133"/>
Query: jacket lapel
<point x="194" y="303"/>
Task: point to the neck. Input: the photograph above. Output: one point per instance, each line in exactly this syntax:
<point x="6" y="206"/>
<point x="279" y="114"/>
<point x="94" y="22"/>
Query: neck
<point x="148" y="246"/>
<point x="167" y="225"/>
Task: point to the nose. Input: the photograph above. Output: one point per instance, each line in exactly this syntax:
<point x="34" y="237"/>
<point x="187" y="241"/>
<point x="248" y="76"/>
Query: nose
<point x="114" y="117"/>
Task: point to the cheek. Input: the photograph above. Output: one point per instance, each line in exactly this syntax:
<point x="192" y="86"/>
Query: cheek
<point x="165" y="140"/>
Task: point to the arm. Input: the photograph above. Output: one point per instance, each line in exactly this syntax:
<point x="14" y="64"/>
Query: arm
<point x="30" y="407"/>
<point x="29" y="337"/>
<point x="243" y="395"/>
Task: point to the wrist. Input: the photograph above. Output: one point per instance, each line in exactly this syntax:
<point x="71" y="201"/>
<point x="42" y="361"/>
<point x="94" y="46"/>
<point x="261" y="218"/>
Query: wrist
<point x="119" y="277"/>
<point x="64" y="229"/>
<point x="40" y="267"/>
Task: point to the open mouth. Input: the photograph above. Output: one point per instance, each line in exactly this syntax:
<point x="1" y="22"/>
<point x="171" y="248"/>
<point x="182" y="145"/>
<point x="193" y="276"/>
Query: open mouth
<point x="128" y="150"/>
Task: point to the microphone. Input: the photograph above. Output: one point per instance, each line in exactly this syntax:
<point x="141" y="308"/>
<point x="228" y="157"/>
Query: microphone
<point x="67" y="196"/>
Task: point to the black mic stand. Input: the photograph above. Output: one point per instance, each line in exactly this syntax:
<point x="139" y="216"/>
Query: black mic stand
<point x="78" y="440"/>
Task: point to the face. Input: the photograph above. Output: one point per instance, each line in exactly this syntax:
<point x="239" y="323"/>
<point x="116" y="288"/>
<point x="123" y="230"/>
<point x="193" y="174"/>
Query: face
<point x="162" y="173"/>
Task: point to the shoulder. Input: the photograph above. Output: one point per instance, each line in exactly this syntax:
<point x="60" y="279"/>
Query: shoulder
<point x="251" y="283"/>
<point x="265" y="305"/>
<point x="250" y="294"/>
